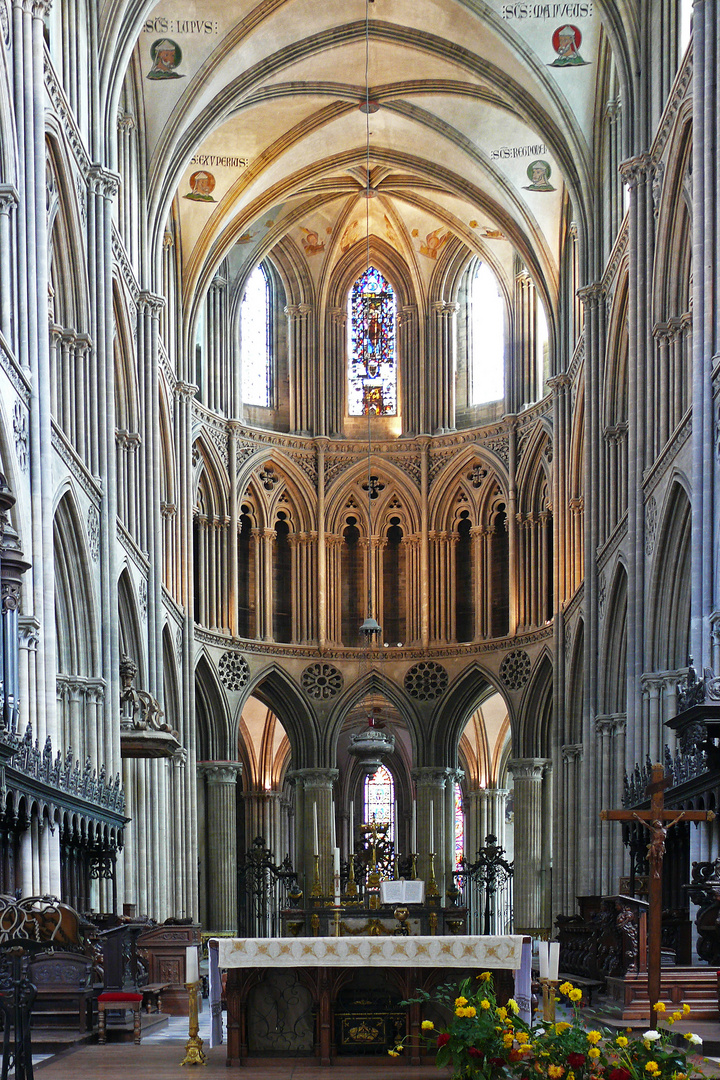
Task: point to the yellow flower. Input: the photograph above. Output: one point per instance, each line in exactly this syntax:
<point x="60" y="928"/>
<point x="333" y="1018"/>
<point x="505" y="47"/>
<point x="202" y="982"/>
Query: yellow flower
<point x="594" y="1037"/>
<point x="484" y="1004"/>
<point x="676" y="1016"/>
<point x="460" y="1001"/>
<point x="555" y="1071"/>
<point x="593" y="1052"/>
<point x="566" y="987"/>
<point x="575" y="994"/>
<point x="470" y="1010"/>
<point x="393" y="1053"/>
<point x="621" y="1040"/>
<point x="652" y="1067"/>
<point x="427" y="1025"/>
<point x="686" y="1009"/>
<point x="562" y="1025"/>
<point x="501" y="1013"/>
<point x="514" y="1005"/>
<point x="571" y="1075"/>
<point x="508" y="1040"/>
<point x="522" y="1037"/>
<point x="485" y="976"/>
<point x="659" y="1006"/>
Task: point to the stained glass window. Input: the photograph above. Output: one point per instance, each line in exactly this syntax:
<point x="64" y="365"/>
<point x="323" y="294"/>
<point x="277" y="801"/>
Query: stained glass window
<point x="372" y="370"/>
<point x="255" y="339"/>
<point x="379" y="799"/>
<point x="459" y="826"/>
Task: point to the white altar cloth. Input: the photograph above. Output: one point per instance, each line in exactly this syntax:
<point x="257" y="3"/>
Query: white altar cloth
<point x="379" y="952"/>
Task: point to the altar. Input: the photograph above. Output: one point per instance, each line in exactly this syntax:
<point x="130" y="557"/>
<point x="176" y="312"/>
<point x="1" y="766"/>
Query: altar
<point x="326" y="996"/>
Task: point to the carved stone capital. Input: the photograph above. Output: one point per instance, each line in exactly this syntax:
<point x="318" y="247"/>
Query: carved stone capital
<point x="316" y="779"/>
<point x="636" y="170"/>
<point x="8" y="198"/>
<point x="432" y="777"/>
<point x="572" y="752"/>
<point x="528" y="768"/>
<point x="220" y="772"/>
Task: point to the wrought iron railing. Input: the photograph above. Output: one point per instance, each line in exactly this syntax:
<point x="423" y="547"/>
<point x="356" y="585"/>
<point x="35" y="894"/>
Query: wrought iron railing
<point x="485" y="890"/>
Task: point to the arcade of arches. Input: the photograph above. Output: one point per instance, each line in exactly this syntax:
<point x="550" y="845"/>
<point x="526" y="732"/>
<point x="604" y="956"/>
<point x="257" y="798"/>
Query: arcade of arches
<point x="272" y="363"/>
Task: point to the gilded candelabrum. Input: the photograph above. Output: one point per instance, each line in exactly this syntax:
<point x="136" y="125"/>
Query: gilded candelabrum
<point x="316" y="894"/>
<point x="432" y="889"/>
<point x="194" y="1046"/>
<point x="549" y="988"/>
<point x="413" y="866"/>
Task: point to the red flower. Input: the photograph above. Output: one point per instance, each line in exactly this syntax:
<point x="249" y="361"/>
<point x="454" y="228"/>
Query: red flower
<point x="575" y="1060"/>
<point x="619" y="1074"/>
<point x="442" y="1039"/>
<point x="473" y="1052"/>
<point x="499" y="1062"/>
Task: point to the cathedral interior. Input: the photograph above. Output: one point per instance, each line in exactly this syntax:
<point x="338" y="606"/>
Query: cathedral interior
<point x="358" y="380"/>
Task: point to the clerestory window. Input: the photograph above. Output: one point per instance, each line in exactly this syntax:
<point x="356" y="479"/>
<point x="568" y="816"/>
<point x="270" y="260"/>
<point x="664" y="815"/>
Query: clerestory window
<point x="379" y="799"/>
<point x="255" y="340"/>
<point x="372" y="366"/>
<point x="487" y="326"/>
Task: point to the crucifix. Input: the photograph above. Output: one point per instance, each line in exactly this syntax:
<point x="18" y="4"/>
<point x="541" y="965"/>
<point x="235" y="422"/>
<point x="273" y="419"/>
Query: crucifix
<point x="657" y="820"/>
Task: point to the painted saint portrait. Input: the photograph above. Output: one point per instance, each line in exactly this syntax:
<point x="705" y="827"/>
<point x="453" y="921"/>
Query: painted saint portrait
<point x="166" y="55"/>
<point x="538" y="173"/>
<point x="434" y="242"/>
<point x="202" y="185"/>
<point x="311" y="242"/>
<point x="566" y="43"/>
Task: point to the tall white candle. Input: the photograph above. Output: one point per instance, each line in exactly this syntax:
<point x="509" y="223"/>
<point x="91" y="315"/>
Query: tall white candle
<point x="316" y="848"/>
<point x="432" y="829"/>
<point x="333" y="838"/>
<point x="543" y="958"/>
<point x="554" y="961"/>
<point x="192" y="974"/>
<point x="336" y="874"/>
<point x="413" y="838"/>
<point x="396" y="828"/>
<point x="352" y="827"/>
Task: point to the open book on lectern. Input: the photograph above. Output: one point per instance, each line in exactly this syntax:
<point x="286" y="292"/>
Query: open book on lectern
<point x="402" y="892"/>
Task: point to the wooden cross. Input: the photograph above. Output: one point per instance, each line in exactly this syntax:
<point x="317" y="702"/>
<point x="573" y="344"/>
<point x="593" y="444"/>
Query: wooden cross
<point x="657" y="820"/>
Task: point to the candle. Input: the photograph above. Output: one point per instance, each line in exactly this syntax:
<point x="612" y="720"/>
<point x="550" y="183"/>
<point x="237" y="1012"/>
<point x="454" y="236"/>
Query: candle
<point x="413" y="839"/>
<point x="432" y="830"/>
<point x="316" y="848"/>
<point x="336" y="873"/>
<point x="543" y="958"/>
<point x="554" y="961"/>
<point x="192" y="974"/>
<point x="333" y="838"/>
<point x="352" y="827"/>
<point x="396" y="828"/>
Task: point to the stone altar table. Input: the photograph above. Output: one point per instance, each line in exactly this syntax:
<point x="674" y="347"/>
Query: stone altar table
<point x="323" y="966"/>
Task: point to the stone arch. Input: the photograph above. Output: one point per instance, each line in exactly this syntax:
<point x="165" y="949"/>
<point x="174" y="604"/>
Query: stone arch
<point x="669" y="593"/>
<point x="212" y="718"/>
<point x="534" y="732"/>
<point x="75" y="605"/>
<point x="130" y="627"/>
<point x="454" y="708"/>
<point x="614" y="650"/>
<point x="373" y="682"/>
<point x="275" y="688"/>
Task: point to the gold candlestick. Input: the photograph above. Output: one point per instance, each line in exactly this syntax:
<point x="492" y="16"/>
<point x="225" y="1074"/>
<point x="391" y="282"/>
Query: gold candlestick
<point x="194" y="1046"/>
<point x="351" y="885"/>
<point x="413" y="867"/>
<point x="549" y="986"/>
<point x="432" y="889"/>
<point x="316" y="891"/>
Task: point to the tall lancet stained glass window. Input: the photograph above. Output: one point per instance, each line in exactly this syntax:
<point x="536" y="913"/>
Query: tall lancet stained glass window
<point x="379" y="799"/>
<point x="255" y="339"/>
<point x="372" y="369"/>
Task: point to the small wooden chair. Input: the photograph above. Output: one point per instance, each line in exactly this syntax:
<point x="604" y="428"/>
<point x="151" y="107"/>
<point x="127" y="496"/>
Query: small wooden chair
<point x="122" y="1000"/>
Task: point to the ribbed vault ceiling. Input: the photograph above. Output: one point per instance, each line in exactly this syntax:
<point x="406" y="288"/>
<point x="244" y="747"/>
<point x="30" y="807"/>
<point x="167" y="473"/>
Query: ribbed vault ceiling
<point x="264" y="97"/>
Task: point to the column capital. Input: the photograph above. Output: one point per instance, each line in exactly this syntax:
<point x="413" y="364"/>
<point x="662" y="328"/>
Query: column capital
<point x="429" y="776"/>
<point x="315" y="779"/>
<point x="8" y="197"/>
<point x="636" y="170"/>
<point x="572" y="752"/>
<point x="528" y="768"/>
<point x="103" y="181"/>
<point x="220" y="772"/>
<point x="609" y="724"/>
<point x="150" y="302"/>
<point x="185" y="390"/>
<point x="592" y="293"/>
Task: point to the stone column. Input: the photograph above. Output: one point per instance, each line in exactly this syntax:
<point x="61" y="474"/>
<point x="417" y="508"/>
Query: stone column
<point x="316" y="789"/>
<point x="431" y="789"/>
<point x="442" y="387"/>
<point x="569" y="797"/>
<point x="221" y="839"/>
<point x="8" y="201"/>
<point x="263" y="818"/>
<point x="531" y="826"/>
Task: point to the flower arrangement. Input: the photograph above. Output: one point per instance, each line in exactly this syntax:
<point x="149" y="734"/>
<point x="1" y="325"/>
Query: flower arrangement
<point x="490" y="1041"/>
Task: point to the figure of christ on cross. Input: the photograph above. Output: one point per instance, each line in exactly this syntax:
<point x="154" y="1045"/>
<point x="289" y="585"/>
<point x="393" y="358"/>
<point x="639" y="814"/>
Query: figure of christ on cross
<point x="657" y="820"/>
